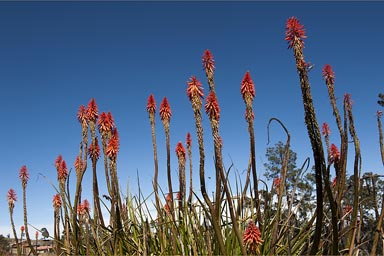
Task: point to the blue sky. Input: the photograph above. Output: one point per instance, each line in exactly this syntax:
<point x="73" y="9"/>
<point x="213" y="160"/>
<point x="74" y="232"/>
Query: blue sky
<point x="56" y="56"/>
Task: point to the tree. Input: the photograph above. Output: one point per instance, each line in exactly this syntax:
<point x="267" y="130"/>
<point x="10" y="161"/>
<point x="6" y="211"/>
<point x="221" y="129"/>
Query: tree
<point x="4" y="245"/>
<point x="297" y="180"/>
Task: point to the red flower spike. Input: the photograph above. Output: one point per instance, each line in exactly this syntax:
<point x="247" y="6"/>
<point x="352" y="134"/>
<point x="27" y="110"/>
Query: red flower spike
<point x="11" y="197"/>
<point x="94" y="151"/>
<point x="252" y="238"/>
<point x="165" y="110"/>
<point x="180" y="150"/>
<point x="328" y="74"/>
<point x="58" y="161"/>
<point x="62" y="173"/>
<point x="294" y="33"/>
<point x="84" y="208"/>
<point x="325" y="129"/>
<point x="276" y="182"/>
<point x="37" y="235"/>
<point x="208" y="61"/>
<point x="22" y="229"/>
<point x="168" y="197"/>
<point x="334" y="153"/>
<point x="379" y="113"/>
<point x="189" y="140"/>
<point x="194" y="89"/>
<point x="247" y="86"/>
<point x="82" y="115"/>
<point x="56" y="201"/>
<point x="348" y="102"/>
<point x="113" y="145"/>
<point x="92" y="111"/>
<point x="24" y="174"/>
<point x="212" y="107"/>
<point x="151" y="104"/>
<point x="105" y="122"/>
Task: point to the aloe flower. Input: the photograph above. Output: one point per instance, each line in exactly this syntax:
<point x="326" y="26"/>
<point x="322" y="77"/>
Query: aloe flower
<point x="328" y="74"/>
<point x="212" y="107"/>
<point x="58" y="161"/>
<point x="22" y="229"/>
<point x="276" y="183"/>
<point x="165" y="116"/>
<point x="325" y="129"/>
<point x="113" y="145"/>
<point x="105" y="123"/>
<point x="209" y="67"/>
<point x="247" y="90"/>
<point x="195" y="92"/>
<point x="11" y="198"/>
<point x="56" y="201"/>
<point x="208" y="62"/>
<point x="151" y="109"/>
<point x="79" y="165"/>
<point x="62" y="172"/>
<point x="84" y="208"/>
<point x="334" y="154"/>
<point x="252" y="238"/>
<point x="92" y="110"/>
<point x="294" y="33"/>
<point x="180" y="152"/>
<point x="165" y="111"/>
<point x="94" y="150"/>
<point x="151" y="104"/>
<point x="82" y="116"/>
<point x="24" y="176"/>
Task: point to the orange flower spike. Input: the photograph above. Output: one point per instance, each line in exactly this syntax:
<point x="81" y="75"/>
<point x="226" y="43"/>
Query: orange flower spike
<point x="58" y="161"/>
<point x="247" y="88"/>
<point x="325" y="129"/>
<point x="165" y="110"/>
<point x="189" y="140"/>
<point x="151" y="104"/>
<point x="113" y="145"/>
<point x="82" y="115"/>
<point x="56" y="201"/>
<point x="105" y="122"/>
<point x="294" y="33"/>
<point x="334" y="153"/>
<point x="92" y="111"/>
<point x="62" y="173"/>
<point x="180" y="150"/>
<point x="94" y="151"/>
<point x="208" y="62"/>
<point x="212" y="107"/>
<point x="328" y="74"/>
<point x="252" y="238"/>
<point x="194" y="89"/>
<point x="11" y="197"/>
<point x="276" y="182"/>
<point x="24" y="175"/>
<point x="78" y="165"/>
<point x="84" y="208"/>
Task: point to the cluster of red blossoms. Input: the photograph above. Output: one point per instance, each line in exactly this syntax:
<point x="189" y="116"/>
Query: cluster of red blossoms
<point x="56" y="201"/>
<point x="62" y="170"/>
<point x="252" y="238"/>
<point x="83" y="208"/>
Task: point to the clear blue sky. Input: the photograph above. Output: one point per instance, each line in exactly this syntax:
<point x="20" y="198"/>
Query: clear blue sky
<point x="56" y="56"/>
